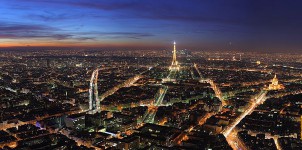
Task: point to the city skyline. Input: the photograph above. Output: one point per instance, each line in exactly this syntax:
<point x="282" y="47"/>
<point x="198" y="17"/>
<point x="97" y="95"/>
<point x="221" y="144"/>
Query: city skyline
<point x="95" y="100"/>
<point x="150" y="75"/>
<point x="263" y="26"/>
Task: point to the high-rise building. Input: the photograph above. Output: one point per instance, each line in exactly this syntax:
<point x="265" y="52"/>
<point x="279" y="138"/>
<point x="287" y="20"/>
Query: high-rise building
<point x="94" y="103"/>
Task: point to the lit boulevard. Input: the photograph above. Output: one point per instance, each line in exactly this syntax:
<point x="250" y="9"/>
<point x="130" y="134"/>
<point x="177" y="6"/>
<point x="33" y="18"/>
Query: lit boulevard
<point x="255" y="102"/>
<point x="234" y="141"/>
<point x="231" y="133"/>
<point x="127" y="83"/>
<point x="214" y="86"/>
<point x="150" y="114"/>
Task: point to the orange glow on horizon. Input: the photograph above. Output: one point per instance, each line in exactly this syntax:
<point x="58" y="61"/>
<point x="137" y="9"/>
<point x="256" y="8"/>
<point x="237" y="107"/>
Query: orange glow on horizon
<point x="38" y="43"/>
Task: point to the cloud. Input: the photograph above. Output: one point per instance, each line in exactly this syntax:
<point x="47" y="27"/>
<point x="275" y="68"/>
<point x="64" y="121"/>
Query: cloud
<point x="104" y="5"/>
<point x="49" y="17"/>
<point x="193" y="11"/>
<point x="25" y="31"/>
<point x="15" y="31"/>
<point x="114" y="35"/>
<point x="22" y="31"/>
<point x="5" y="27"/>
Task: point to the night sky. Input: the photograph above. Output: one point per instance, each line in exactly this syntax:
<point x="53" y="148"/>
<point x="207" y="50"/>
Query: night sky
<point x="246" y="25"/>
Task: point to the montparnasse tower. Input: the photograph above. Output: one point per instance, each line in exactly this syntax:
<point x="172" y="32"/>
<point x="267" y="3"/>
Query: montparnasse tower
<point x="174" y="65"/>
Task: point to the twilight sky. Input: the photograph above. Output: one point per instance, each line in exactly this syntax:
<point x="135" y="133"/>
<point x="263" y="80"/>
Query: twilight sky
<point x="262" y="25"/>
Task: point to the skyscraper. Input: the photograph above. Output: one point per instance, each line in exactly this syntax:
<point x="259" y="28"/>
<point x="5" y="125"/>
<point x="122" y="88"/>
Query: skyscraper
<point x="94" y="104"/>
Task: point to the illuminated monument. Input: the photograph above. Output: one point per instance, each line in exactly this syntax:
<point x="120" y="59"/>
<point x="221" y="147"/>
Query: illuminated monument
<point x="174" y="66"/>
<point x="275" y="84"/>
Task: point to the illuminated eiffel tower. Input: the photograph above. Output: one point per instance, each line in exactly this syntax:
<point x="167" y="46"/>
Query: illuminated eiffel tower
<point x="174" y="66"/>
